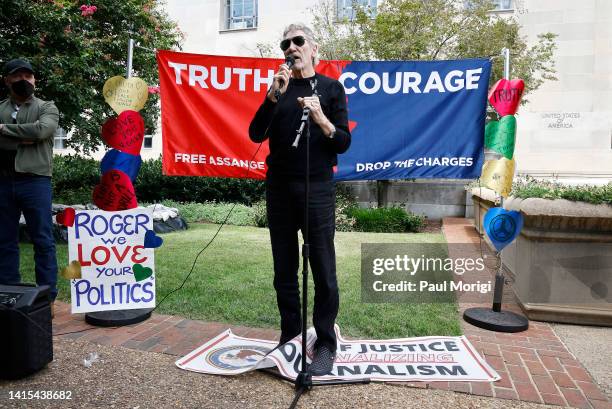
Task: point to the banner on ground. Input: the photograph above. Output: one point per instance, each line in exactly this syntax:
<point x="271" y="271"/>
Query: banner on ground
<point x="409" y="119"/>
<point x="424" y="359"/>
<point x="109" y="246"/>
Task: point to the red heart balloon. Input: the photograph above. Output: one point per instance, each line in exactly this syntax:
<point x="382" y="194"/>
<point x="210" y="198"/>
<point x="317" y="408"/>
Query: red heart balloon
<point x="65" y="217"/>
<point x="115" y="192"/>
<point x="125" y="132"/>
<point x="505" y="96"/>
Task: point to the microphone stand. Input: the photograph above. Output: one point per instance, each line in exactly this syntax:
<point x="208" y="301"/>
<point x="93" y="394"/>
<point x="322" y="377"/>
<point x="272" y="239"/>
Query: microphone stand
<point x="304" y="382"/>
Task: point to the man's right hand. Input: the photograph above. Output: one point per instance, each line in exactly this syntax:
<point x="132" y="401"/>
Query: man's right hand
<point x="283" y="74"/>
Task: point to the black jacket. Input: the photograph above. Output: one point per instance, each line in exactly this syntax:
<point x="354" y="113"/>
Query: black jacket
<point x="281" y="121"/>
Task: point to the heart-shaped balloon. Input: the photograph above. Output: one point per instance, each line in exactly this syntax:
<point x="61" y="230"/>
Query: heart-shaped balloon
<point x="125" y="132"/>
<point x="152" y="241"/>
<point x="141" y="272"/>
<point x="123" y="94"/>
<point x="498" y="175"/>
<point x="115" y="192"/>
<point x="506" y="95"/>
<point x="65" y="217"/>
<point x="502" y="226"/>
<point x="128" y="164"/>
<point x="72" y="271"/>
<point x="500" y="135"/>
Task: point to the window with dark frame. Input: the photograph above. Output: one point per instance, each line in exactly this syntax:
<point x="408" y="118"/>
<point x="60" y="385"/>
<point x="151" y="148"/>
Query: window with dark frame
<point x="240" y="14"/>
<point x="60" y="139"/>
<point x="498" y="5"/>
<point x="147" y="142"/>
<point x="347" y="9"/>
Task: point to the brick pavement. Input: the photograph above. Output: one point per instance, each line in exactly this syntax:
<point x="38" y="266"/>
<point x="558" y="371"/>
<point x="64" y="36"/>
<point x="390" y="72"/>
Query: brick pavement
<point x="534" y="365"/>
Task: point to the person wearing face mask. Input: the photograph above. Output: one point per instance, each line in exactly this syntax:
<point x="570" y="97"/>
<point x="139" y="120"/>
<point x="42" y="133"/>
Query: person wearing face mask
<point x="295" y="88"/>
<point x="27" y="128"/>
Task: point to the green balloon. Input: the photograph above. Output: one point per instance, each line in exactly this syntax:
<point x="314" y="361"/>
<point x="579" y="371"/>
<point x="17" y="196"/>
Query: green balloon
<point x="500" y="136"/>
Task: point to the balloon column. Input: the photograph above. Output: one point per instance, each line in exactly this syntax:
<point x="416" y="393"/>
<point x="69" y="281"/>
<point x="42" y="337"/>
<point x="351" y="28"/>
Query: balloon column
<point x="502" y="226"/>
<point x="124" y="134"/>
<point x="500" y="136"/>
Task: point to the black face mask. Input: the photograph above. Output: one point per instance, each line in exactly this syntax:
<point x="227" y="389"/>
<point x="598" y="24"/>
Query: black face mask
<point x="22" y="88"/>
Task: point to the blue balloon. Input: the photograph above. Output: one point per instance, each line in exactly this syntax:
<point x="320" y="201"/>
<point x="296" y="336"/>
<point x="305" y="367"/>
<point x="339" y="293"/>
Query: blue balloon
<point x="125" y="162"/>
<point x="502" y="226"/>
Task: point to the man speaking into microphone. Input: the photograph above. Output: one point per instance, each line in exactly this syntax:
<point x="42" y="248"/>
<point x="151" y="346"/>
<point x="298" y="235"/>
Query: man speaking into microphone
<point x="296" y="91"/>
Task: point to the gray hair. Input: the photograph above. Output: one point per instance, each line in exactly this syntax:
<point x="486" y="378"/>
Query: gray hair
<point x="309" y="34"/>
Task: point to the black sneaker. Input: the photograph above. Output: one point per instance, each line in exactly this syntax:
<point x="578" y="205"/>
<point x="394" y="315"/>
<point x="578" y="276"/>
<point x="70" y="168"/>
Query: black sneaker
<point x="323" y="361"/>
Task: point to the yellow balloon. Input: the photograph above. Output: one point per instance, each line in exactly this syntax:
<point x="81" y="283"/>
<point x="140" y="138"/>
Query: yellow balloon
<point x="72" y="271"/>
<point x="125" y="94"/>
<point x="498" y="174"/>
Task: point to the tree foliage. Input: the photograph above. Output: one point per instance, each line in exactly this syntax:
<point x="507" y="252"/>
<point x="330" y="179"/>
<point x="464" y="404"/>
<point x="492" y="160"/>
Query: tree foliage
<point x="434" y="30"/>
<point x="75" y="48"/>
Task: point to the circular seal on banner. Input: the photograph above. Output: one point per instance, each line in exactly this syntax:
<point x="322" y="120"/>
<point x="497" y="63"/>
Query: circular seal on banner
<point x="235" y="357"/>
<point x="503" y="227"/>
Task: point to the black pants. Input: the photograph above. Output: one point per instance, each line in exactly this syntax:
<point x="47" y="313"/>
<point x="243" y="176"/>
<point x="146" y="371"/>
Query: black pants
<point x="285" y="210"/>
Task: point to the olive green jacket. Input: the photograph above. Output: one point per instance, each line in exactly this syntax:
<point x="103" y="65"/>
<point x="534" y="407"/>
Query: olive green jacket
<point x="36" y="122"/>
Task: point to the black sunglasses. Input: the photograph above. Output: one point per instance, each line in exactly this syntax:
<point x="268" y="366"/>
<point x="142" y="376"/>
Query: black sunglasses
<point x="297" y="40"/>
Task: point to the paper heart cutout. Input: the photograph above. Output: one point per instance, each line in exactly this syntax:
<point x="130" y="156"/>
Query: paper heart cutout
<point x="506" y="95"/>
<point x="141" y="273"/>
<point x="123" y="94"/>
<point x="152" y="241"/>
<point x="125" y="133"/>
<point x="72" y="271"/>
<point x="498" y="175"/>
<point x="125" y="162"/>
<point x="115" y="192"/>
<point x="502" y="226"/>
<point x="65" y="217"/>
<point x="500" y="136"/>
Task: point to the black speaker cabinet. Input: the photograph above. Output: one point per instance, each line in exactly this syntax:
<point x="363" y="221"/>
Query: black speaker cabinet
<point x="26" y="344"/>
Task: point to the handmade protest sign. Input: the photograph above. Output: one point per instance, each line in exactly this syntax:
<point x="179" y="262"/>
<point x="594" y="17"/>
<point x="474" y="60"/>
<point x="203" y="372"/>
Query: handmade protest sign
<point x="108" y="246"/>
<point x="500" y="136"/>
<point x="114" y="192"/>
<point x="502" y="226"/>
<point x="506" y="95"/>
<point x="123" y="94"/>
<point x="72" y="270"/>
<point x="498" y="175"/>
<point x="65" y="217"/>
<point x="124" y="132"/>
<point x="125" y="162"/>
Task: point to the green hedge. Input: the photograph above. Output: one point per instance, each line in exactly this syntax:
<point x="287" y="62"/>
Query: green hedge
<point x="385" y="220"/>
<point x="74" y="178"/>
<point x="527" y="187"/>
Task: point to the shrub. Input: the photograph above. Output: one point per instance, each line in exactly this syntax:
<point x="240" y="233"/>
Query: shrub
<point x="260" y="213"/>
<point x="386" y="220"/>
<point x="152" y="186"/>
<point x="74" y="178"/>
<point x="528" y="187"/>
<point x="211" y="212"/>
<point x="345" y="203"/>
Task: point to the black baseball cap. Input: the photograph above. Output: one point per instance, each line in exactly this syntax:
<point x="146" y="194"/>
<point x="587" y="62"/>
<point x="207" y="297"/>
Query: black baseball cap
<point x="17" y="64"/>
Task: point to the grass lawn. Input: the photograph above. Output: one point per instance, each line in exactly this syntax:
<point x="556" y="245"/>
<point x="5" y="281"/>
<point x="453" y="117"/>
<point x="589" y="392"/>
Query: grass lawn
<point x="232" y="282"/>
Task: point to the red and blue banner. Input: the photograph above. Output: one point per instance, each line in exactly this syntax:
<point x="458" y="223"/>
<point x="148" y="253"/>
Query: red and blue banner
<point x="409" y="119"/>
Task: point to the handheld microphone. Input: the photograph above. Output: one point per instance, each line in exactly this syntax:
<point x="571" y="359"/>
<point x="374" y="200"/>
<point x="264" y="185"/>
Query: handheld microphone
<point x="289" y="60"/>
